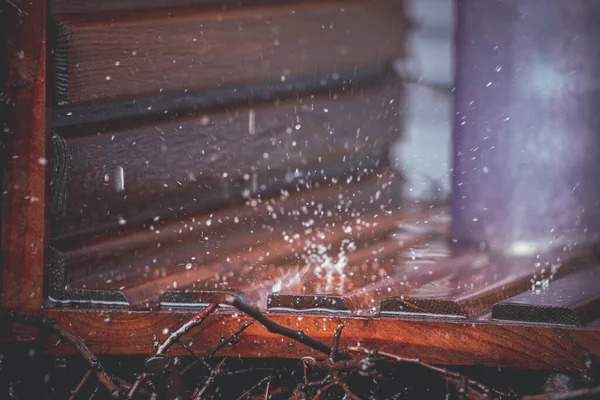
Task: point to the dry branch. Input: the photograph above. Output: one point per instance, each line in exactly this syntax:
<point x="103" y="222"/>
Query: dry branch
<point x="74" y="341"/>
<point x="185" y="328"/>
<point x="274" y="327"/>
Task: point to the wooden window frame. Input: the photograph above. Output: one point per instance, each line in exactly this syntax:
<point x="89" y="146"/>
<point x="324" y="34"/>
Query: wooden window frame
<point x="126" y="331"/>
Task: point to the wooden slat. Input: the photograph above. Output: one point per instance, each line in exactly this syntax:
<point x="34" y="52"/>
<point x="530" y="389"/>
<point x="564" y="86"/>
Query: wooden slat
<point x="98" y="6"/>
<point x="445" y="342"/>
<point x="238" y="248"/>
<point x="385" y="266"/>
<point x="473" y="292"/>
<point x="68" y="121"/>
<point x="572" y="300"/>
<point x="117" y="56"/>
<point x="135" y="174"/>
<point x="24" y="191"/>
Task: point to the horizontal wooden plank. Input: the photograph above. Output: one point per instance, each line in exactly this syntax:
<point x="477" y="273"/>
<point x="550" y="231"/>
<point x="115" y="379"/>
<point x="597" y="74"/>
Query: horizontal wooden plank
<point x="99" y="6"/>
<point x="572" y="300"/>
<point x="111" y="331"/>
<point x="135" y="174"/>
<point x="474" y="291"/>
<point x="250" y="247"/>
<point x="384" y="267"/>
<point x="103" y="58"/>
<point x="68" y="121"/>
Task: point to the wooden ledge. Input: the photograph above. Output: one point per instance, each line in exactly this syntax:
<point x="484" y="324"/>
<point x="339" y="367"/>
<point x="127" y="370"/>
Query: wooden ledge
<point x="448" y="341"/>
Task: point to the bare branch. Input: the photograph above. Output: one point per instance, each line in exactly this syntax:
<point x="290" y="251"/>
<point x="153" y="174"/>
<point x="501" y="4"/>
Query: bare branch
<point x="74" y="341"/>
<point x="257" y="386"/>
<point x="213" y="374"/>
<point x="185" y="328"/>
<point x="224" y="342"/>
<point x="442" y="371"/>
<point x="347" y="390"/>
<point x="336" y="342"/>
<point x="274" y="327"/>
<point x="83" y="381"/>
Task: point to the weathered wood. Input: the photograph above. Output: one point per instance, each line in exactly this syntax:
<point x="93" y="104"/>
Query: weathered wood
<point x="117" y="56"/>
<point x="24" y="191"/>
<point x="132" y="175"/>
<point x="474" y="291"/>
<point x="383" y="267"/>
<point x="97" y="6"/>
<point x="572" y="300"/>
<point x="68" y="121"/>
<point x="446" y="342"/>
<point x="244" y="248"/>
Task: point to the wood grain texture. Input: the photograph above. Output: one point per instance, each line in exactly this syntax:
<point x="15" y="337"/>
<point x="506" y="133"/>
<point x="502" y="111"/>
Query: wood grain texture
<point x="98" y="6"/>
<point x="572" y="300"/>
<point x="180" y="166"/>
<point x="24" y="191"/>
<point x="250" y="247"/>
<point x="471" y="292"/>
<point x="116" y="56"/>
<point x="446" y="342"/>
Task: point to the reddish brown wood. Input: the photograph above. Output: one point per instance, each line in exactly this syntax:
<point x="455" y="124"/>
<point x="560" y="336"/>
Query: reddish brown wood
<point x="572" y="300"/>
<point x="249" y="247"/>
<point x="113" y="56"/>
<point x="24" y="192"/>
<point x="138" y="173"/>
<point x="446" y="342"/>
<point x="474" y="291"/>
<point x="96" y="6"/>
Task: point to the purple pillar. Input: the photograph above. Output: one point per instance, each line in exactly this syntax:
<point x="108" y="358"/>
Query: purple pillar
<point x="527" y="125"/>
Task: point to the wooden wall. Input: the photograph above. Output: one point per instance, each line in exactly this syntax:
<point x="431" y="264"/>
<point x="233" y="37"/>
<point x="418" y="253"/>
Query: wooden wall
<point x="167" y="113"/>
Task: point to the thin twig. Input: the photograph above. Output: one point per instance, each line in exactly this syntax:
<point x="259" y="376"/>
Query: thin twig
<point x="19" y="10"/>
<point x="347" y="390"/>
<point x="267" y="390"/>
<point x="231" y="339"/>
<point x="224" y="342"/>
<point x="77" y="343"/>
<point x="323" y="389"/>
<point x="444" y="372"/>
<point x="274" y="327"/>
<point x="360" y="365"/>
<point x="211" y="378"/>
<point x="185" y="328"/>
<point x="83" y="381"/>
<point x="136" y="385"/>
<point x="254" y="388"/>
<point x="336" y="342"/>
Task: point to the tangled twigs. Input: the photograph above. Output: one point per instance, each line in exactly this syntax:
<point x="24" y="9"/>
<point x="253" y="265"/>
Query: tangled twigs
<point x="213" y="374"/>
<point x="74" y="341"/>
<point x="444" y="372"/>
<point x="224" y="342"/>
<point x="231" y="339"/>
<point x="258" y="385"/>
<point x="185" y="328"/>
<point x="274" y="327"/>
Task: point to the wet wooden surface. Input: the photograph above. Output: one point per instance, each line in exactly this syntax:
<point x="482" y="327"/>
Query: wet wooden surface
<point x="256" y="243"/>
<point x="115" y="56"/>
<point x="446" y="342"/>
<point x="121" y="176"/>
<point x="571" y="300"/>
<point x="24" y="192"/>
